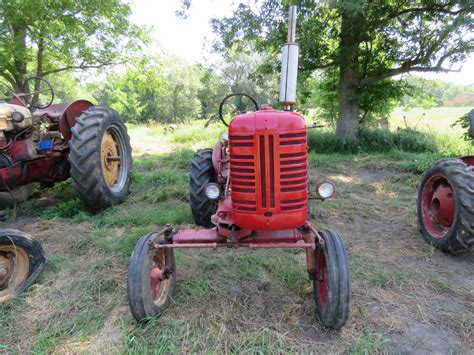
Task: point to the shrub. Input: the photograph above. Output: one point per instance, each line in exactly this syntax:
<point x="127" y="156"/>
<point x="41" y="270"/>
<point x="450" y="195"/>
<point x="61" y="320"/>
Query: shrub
<point x="374" y="141"/>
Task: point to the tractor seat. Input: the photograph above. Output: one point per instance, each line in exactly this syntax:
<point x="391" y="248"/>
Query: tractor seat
<point x="53" y="112"/>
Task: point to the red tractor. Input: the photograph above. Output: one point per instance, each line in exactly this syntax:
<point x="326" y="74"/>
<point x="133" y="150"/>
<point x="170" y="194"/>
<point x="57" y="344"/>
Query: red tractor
<point x="252" y="189"/>
<point x="87" y="142"/>
<point x="446" y="202"/>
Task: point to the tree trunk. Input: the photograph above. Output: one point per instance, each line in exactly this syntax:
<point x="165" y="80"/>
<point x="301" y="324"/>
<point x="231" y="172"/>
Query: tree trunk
<point x="349" y="78"/>
<point x="39" y="70"/>
<point x="348" y="123"/>
<point x="20" y="59"/>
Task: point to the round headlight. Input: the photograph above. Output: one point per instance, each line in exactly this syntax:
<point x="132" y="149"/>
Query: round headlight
<point x="326" y="190"/>
<point x="17" y="116"/>
<point x="212" y="191"/>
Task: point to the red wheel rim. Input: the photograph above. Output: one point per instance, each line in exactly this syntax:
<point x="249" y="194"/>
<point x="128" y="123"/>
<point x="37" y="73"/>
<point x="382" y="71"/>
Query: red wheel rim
<point x="438" y="207"/>
<point x="159" y="278"/>
<point x="322" y="277"/>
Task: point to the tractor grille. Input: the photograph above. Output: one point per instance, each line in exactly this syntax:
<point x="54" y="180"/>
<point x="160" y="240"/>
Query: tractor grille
<point x="269" y="172"/>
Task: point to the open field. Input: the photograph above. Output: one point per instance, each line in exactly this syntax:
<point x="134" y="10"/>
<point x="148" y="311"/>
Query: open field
<point x="407" y="296"/>
<point x="437" y="119"/>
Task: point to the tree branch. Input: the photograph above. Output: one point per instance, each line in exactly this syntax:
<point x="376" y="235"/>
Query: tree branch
<point x="401" y="70"/>
<point x="440" y="9"/>
<point x="80" y="67"/>
<point x="8" y="78"/>
<point x="410" y="65"/>
<point x="325" y="66"/>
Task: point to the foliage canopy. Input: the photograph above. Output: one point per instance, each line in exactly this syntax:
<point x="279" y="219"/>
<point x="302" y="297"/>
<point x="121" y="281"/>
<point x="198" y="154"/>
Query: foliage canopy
<point x="43" y="37"/>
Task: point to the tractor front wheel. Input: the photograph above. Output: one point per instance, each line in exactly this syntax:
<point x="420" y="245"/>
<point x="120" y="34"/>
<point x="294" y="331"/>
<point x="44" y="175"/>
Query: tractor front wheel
<point x="202" y="173"/>
<point x="100" y="158"/>
<point x="21" y="261"/>
<point x="332" y="285"/>
<point x="446" y="205"/>
<point x="151" y="279"/>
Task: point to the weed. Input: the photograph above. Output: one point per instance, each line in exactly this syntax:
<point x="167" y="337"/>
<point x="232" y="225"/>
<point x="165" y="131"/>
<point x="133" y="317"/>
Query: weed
<point x="442" y="285"/>
<point x="383" y="279"/>
<point x="369" y="344"/>
<point x="380" y="279"/>
<point x="66" y="209"/>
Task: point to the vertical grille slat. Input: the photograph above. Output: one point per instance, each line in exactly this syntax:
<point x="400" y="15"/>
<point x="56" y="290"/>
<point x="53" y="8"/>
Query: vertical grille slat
<point x="263" y="176"/>
<point x="272" y="171"/>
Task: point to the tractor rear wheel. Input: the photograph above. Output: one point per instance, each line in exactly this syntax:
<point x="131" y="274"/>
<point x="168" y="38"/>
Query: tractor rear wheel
<point x="21" y="261"/>
<point x="332" y="286"/>
<point x="151" y="279"/>
<point x="100" y="158"/>
<point x="445" y="205"/>
<point x="202" y="173"/>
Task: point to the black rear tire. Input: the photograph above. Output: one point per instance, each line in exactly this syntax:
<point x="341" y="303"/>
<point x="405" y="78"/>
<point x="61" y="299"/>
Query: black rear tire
<point x="459" y="236"/>
<point x="332" y="286"/>
<point x="27" y="259"/>
<point x="87" y="155"/>
<point x="202" y="173"/>
<point x="140" y="296"/>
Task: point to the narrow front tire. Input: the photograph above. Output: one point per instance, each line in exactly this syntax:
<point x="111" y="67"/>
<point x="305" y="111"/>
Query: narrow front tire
<point x="332" y="284"/>
<point x="151" y="280"/>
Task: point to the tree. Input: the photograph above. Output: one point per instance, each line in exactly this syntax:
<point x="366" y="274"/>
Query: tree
<point x="238" y="72"/>
<point x="162" y="89"/>
<point x="44" y="37"/>
<point x="366" y="41"/>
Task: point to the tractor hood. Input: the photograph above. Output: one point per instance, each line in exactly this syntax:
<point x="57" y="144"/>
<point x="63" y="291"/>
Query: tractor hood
<point x="7" y="123"/>
<point x="6" y="110"/>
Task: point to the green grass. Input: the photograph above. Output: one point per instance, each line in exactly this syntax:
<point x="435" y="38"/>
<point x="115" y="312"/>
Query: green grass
<point x="370" y="344"/>
<point x="436" y="119"/>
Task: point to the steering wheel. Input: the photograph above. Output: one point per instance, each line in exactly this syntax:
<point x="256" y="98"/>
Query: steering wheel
<point x="40" y="97"/>
<point x="235" y="104"/>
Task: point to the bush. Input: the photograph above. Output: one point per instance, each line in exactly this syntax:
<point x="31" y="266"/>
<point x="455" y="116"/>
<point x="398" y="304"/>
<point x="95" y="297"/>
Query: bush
<point x="374" y="141"/>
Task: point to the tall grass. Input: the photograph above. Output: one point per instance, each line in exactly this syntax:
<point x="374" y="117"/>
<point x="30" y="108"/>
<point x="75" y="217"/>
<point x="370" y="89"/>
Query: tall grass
<point x="382" y="141"/>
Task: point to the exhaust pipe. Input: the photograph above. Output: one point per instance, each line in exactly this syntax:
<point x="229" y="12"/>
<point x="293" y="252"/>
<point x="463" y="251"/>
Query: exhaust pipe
<point x="289" y="64"/>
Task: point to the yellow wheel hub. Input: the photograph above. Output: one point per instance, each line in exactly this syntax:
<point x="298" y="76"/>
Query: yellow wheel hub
<point x="14" y="268"/>
<point x="110" y="159"/>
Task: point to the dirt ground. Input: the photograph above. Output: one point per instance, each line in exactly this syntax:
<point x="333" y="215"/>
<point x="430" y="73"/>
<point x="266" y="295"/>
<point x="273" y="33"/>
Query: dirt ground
<point x="406" y="296"/>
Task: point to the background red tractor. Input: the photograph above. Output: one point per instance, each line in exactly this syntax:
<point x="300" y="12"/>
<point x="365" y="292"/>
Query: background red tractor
<point x="252" y="189"/>
<point x="56" y="141"/>
<point x="446" y="202"/>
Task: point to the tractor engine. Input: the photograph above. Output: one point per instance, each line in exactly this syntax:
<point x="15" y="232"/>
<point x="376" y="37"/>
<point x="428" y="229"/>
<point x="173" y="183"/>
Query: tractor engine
<point x="269" y="170"/>
<point x="15" y="121"/>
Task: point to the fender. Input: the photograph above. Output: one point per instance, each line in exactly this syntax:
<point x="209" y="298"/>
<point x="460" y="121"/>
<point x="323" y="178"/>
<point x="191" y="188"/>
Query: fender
<point x="68" y="118"/>
<point x="220" y="160"/>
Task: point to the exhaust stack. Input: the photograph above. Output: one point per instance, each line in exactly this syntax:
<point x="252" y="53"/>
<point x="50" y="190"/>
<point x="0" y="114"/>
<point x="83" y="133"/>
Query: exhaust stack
<point x="289" y="64"/>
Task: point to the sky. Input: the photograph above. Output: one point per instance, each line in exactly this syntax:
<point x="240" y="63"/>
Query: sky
<point x="190" y="38"/>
